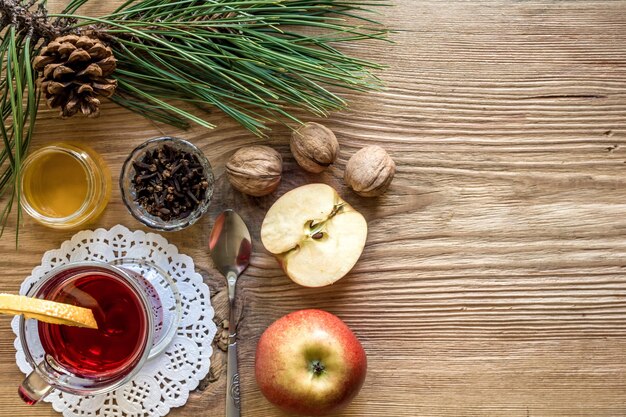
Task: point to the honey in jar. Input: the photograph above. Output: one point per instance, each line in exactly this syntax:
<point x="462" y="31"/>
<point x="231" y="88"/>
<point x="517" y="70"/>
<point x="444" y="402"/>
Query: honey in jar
<point x="64" y="185"/>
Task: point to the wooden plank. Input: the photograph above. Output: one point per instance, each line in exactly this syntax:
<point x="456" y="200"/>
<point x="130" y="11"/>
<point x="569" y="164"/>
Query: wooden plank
<point x="493" y="280"/>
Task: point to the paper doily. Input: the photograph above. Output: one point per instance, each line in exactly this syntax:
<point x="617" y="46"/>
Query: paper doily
<point x="166" y="380"/>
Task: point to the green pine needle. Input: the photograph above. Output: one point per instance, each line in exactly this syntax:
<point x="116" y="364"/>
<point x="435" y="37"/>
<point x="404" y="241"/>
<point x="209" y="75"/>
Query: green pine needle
<point x="18" y="106"/>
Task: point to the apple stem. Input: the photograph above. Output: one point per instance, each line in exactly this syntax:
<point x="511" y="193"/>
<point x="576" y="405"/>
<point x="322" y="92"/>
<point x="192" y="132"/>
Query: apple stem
<point x="336" y="210"/>
<point x="317" y="368"/>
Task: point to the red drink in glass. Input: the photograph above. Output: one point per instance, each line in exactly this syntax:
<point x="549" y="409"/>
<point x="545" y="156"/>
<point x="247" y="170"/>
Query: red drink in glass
<point x="122" y="335"/>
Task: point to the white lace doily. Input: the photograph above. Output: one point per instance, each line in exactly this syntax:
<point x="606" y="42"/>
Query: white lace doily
<point x="166" y="380"/>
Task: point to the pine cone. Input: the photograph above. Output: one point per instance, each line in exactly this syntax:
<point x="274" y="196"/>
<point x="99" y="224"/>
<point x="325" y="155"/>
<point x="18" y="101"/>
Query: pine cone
<point x="74" y="70"/>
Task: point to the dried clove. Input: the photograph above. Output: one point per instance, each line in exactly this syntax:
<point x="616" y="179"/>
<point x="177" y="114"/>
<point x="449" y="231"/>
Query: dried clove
<point x="169" y="183"/>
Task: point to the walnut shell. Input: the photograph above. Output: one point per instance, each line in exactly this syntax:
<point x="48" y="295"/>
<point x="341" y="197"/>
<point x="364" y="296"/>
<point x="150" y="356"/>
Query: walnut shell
<point x="314" y="146"/>
<point x="255" y="170"/>
<point x="370" y="171"/>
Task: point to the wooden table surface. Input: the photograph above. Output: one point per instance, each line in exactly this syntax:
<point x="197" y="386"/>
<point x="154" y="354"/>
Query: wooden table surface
<point x="493" y="280"/>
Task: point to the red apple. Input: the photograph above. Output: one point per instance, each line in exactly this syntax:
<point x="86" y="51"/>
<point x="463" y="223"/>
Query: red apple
<point x="310" y="363"/>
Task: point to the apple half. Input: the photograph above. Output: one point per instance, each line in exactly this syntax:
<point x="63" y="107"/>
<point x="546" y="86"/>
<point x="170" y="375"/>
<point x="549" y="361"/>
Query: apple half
<point x="316" y="236"/>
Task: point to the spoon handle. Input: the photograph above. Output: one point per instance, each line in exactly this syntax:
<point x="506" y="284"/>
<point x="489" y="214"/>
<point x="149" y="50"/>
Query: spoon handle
<point x="232" y="385"/>
<point x="232" y="394"/>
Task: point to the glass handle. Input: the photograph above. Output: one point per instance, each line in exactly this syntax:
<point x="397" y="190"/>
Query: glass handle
<point x="33" y="388"/>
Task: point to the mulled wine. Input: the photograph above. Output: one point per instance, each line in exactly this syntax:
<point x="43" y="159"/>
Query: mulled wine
<point x="122" y="335"/>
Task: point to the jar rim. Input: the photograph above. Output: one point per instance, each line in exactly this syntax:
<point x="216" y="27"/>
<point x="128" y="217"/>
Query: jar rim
<point x="78" y="155"/>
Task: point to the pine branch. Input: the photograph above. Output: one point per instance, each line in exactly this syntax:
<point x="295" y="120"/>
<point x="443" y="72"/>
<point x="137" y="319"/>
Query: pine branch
<point x="25" y="18"/>
<point x="247" y="58"/>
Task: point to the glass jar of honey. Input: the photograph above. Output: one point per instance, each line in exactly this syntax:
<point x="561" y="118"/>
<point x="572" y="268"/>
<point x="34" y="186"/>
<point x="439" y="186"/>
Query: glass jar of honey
<point x="64" y="185"/>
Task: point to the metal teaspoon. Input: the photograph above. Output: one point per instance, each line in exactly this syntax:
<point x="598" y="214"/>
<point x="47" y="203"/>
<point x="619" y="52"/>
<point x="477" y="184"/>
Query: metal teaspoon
<point x="230" y="247"/>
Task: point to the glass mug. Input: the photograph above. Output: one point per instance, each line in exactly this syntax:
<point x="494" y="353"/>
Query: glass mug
<point x="131" y="329"/>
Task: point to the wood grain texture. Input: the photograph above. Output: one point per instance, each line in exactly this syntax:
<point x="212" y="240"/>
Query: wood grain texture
<point x="493" y="280"/>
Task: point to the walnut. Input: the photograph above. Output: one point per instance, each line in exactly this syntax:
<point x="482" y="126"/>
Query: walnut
<point x="370" y="171"/>
<point x="314" y="146"/>
<point x="255" y="170"/>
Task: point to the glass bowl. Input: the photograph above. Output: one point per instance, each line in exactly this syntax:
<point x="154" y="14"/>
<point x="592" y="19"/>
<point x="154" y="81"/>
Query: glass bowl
<point x="129" y="193"/>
